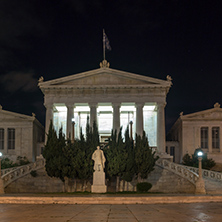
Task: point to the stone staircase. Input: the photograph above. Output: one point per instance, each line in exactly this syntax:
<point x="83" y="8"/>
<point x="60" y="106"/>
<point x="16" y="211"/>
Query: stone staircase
<point x="11" y="174"/>
<point x="212" y="179"/>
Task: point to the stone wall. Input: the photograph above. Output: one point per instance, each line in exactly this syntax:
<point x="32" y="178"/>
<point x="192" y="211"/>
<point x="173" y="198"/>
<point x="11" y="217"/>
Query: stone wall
<point x="167" y="182"/>
<point x="40" y="184"/>
<point x="162" y="180"/>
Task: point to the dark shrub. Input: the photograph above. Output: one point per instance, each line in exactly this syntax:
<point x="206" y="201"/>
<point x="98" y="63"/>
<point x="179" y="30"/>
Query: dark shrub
<point x="33" y="173"/>
<point x="143" y="187"/>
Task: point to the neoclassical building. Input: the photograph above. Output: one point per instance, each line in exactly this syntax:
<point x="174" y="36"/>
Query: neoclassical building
<point x="198" y="130"/>
<point x="20" y="135"/>
<point x="112" y="98"/>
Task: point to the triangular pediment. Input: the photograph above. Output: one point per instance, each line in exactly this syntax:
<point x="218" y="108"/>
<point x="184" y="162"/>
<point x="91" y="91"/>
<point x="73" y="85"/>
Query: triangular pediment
<point x="11" y="116"/>
<point x="210" y="114"/>
<point x="105" y="77"/>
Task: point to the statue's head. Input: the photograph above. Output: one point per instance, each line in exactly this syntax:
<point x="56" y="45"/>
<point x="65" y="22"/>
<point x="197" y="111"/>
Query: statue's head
<point x="97" y="147"/>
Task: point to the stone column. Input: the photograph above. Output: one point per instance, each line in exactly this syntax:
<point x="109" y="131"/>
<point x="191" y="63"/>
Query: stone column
<point x="161" y="139"/>
<point x="210" y="140"/>
<point x="139" y="118"/>
<point x="70" y="116"/>
<point x="93" y="113"/>
<point x="116" y="116"/>
<point x="49" y="117"/>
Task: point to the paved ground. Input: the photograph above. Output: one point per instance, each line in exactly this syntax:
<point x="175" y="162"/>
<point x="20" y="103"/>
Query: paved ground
<point x="195" y="212"/>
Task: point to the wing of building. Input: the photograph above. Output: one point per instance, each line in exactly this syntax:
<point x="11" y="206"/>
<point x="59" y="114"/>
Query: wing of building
<point x="198" y="130"/>
<point x="112" y="98"/>
<point x="20" y="135"/>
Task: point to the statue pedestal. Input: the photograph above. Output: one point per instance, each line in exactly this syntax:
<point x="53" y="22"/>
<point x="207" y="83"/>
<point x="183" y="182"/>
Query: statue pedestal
<point x="98" y="182"/>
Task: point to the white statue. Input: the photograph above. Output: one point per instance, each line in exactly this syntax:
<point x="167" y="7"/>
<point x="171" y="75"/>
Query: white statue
<point x="99" y="159"/>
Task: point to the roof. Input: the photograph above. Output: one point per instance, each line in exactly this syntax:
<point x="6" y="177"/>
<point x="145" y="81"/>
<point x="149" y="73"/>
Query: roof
<point x="105" y="78"/>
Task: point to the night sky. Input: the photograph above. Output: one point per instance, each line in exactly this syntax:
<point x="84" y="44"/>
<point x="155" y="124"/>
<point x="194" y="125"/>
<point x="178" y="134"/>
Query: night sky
<point x="56" y="38"/>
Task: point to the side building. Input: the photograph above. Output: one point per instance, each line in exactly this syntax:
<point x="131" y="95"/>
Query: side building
<point x="197" y="130"/>
<point x="20" y="135"/>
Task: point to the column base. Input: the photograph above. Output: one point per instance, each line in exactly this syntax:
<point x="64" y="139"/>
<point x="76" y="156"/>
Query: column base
<point x="200" y="187"/>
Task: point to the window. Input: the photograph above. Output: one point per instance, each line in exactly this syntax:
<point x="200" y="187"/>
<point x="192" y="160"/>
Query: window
<point x="204" y="137"/>
<point x="166" y="149"/>
<point x="11" y="138"/>
<point x="215" y="138"/>
<point x="2" y="133"/>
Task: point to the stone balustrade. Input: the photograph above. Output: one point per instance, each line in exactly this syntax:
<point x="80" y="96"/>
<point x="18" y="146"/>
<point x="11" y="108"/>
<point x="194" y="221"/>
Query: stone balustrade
<point x="10" y="175"/>
<point x="4" y="171"/>
<point x="179" y="170"/>
<point x="213" y="175"/>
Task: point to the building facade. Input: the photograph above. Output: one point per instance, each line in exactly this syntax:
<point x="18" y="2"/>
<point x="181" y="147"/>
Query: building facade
<point x="198" y="130"/>
<point x="20" y="135"/>
<point x="112" y="98"/>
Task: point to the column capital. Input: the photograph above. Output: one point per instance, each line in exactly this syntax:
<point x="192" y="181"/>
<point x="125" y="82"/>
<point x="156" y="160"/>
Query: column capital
<point x="93" y="104"/>
<point x="161" y="105"/>
<point x="139" y="104"/>
<point x="116" y="104"/>
<point x="70" y="105"/>
<point x="48" y="105"/>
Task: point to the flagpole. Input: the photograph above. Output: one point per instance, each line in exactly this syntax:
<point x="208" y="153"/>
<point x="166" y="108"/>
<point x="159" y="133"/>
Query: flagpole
<point x="104" y="49"/>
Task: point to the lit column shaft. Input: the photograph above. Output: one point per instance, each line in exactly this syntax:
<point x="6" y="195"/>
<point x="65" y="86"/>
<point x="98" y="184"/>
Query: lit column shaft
<point x="161" y="140"/>
<point x="116" y="117"/>
<point x="49" y="116"/>
<point x="70" y="116"/>
<point x="93" y="113"/>
<point x="139" y="119"/>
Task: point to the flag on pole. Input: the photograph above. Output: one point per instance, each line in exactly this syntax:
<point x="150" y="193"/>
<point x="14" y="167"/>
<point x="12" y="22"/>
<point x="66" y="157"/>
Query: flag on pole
<point x="107" y="45"/>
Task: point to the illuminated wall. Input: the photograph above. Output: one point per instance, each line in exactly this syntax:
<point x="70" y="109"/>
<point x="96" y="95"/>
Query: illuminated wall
<point x="60" y="118"/>
<point x="150" y="124"/>
<point x="105" y="119"/>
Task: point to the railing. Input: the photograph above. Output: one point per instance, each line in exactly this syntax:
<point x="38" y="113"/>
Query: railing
<point x="213" y="175"/>
<point x="179" y="170"/>
<point x="18" y="172"/>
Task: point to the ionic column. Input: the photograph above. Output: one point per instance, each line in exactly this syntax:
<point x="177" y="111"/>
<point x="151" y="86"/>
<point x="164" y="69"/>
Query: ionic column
<point x="210" y="139"/>
<point x="116" y="116"/>
<point x="139" y="118"/>
<point x="48" y="117"/>
<point x="161" y="140"/>
<point x="93" y="113"/>
<point x="70" y="116"/>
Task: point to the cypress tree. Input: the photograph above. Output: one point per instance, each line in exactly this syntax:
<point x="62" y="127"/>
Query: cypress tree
<point x="144" y="157"/>
<point x="53" y="153"/>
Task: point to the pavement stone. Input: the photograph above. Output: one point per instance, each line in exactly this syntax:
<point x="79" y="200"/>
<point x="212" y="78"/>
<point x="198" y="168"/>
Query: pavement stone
<point x="192" y="212"/>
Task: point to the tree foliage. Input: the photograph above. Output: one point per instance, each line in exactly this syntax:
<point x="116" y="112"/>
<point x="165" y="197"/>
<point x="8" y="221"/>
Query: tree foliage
<point x="144" y="157"/>
<point x="71" y="160"/>
<point x="124" y="159"/>
<point x="192" y="160"/>
<point x="53" y="153"/>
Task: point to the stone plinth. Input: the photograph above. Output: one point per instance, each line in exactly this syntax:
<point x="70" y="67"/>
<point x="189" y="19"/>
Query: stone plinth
<point x="98" y="182"/>
<point x="200" y="186"/>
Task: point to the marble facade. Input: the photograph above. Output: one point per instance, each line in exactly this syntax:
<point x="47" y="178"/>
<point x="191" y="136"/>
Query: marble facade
<point x="110" y="97"/>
